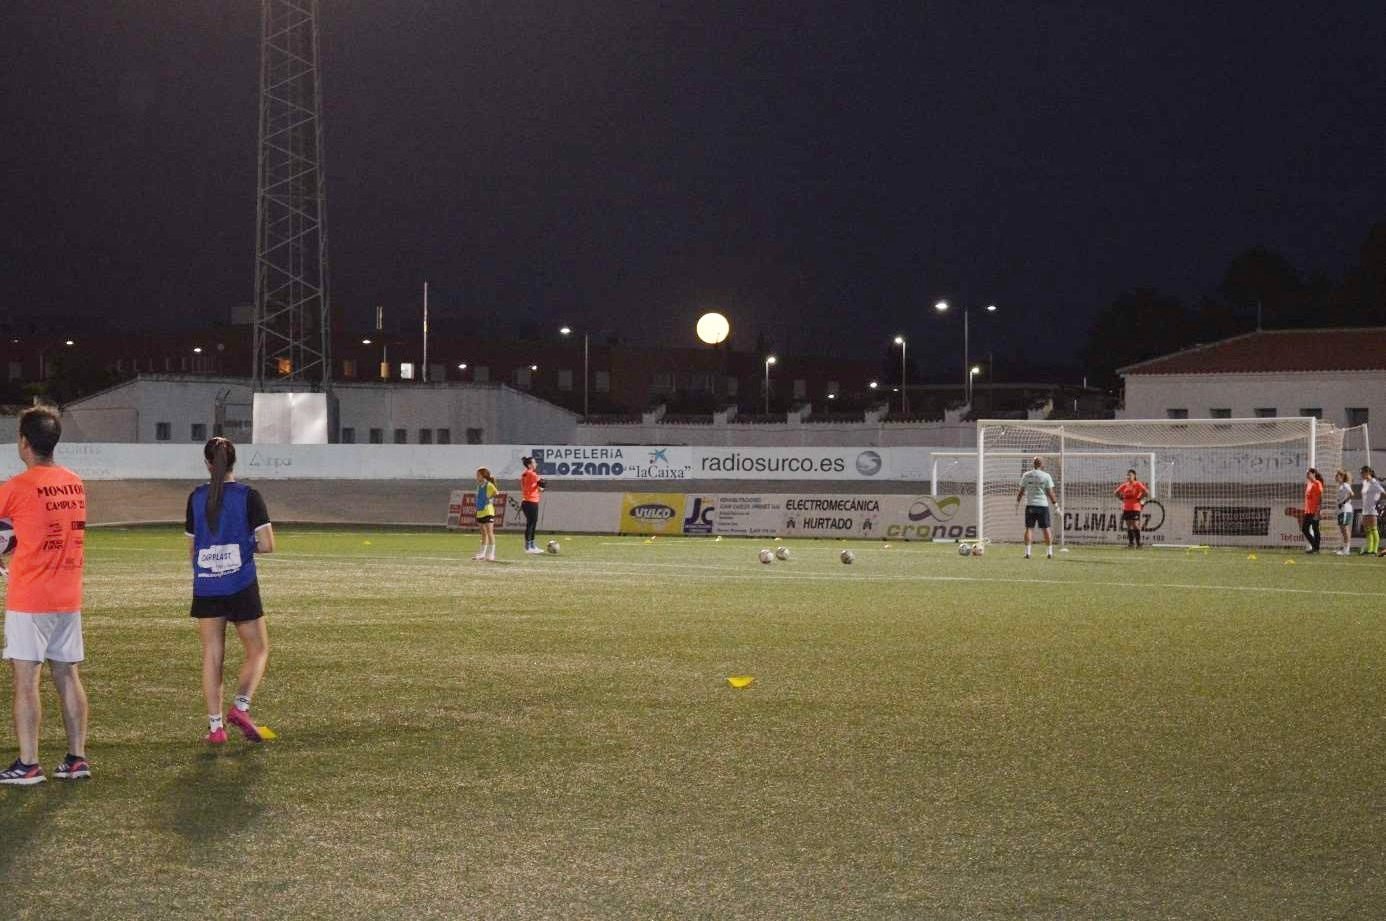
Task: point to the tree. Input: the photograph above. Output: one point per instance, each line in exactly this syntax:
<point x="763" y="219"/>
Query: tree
<point x="1139" y="324"/>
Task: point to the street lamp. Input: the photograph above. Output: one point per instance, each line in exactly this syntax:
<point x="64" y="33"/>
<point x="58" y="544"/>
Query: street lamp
<point x="942" y="307"/>
<point x="769" y="360"/>
<point x="904" y="397"/>
<point x="568" y="331"/>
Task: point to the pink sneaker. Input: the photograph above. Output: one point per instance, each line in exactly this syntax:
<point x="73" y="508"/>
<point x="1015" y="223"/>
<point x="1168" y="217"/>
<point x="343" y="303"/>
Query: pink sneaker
<point x="241" y="720"/>
<point x="216" y="738"/>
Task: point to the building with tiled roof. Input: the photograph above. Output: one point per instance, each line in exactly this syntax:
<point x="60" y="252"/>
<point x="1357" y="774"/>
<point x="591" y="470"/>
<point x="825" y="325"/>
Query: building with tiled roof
<point x="1338" y="375"/>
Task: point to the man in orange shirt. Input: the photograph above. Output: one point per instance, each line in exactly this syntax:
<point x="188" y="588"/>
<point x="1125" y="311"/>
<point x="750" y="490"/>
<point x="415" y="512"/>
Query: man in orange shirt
<point x="1132" y="494"/>
<point x="43" y="601"/>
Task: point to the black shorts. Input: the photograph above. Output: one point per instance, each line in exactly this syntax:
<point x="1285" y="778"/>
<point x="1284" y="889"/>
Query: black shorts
<point x="242" y="606"/>
<point x="1132" y="515"/>
<point x="485" y="519"/>
<point x="1036" y="516"/>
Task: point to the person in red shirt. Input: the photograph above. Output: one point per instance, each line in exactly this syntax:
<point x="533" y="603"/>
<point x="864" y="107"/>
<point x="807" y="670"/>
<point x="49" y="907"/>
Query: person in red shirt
<point x="1132" y="494"/>
<point x="43" y="601"/>
<point x="1313" y="500"/>
<point x="531" y="485"/>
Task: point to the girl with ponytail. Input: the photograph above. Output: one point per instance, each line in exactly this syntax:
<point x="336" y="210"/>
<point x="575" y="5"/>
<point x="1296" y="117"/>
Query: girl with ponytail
<point x="486" y="490"/>
<point x="226" y="525"/>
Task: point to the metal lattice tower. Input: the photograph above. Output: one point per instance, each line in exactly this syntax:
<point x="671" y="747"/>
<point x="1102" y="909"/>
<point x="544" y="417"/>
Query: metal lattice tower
<point x="292" y="307"/>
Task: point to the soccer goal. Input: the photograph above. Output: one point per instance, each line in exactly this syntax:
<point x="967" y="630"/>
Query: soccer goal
<point x="1228" y="482"/>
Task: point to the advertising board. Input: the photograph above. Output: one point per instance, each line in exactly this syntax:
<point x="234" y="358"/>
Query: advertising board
<point x="651" y="513"/>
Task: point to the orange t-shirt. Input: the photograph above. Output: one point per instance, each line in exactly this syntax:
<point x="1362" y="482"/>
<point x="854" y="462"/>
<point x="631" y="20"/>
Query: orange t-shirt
<point x="1131" y="495"/>
<point x="1313" y="497"/>
<point x="529" y="486"/>
<point x="48" y="506"/>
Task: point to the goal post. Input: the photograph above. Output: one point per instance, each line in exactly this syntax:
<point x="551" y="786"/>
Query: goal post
<point x="1215" y="482"/>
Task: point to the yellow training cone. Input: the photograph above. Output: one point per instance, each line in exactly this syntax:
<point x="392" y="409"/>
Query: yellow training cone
<point x="267" y="733"/>
<point x="740" y="681"/>
<point x="1251" y="556"/>
<point x="1289" y="562"/>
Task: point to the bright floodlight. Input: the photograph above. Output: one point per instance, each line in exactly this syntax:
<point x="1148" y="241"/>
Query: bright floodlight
<point x="534" y="367"/>
<point x="197" y="350"/>
<point x="899" y="340"/>
<point x="565" y="330"/>
<point x="365" y="342"/>
<point x="976" y="369"/>
<point x="991" y="308"/>
<point x="462" y="366"/>
<point x="770" y="359"/>
<point x="941" y="306"/>
<point x="873" y="385"/>
<point x="69" y="342"/>
<point x="713" y="328"/>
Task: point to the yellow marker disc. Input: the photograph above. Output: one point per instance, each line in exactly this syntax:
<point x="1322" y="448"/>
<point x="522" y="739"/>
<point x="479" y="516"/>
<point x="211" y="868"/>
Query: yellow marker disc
<point x="740" y="681"/>
<point x="267" y="733"/>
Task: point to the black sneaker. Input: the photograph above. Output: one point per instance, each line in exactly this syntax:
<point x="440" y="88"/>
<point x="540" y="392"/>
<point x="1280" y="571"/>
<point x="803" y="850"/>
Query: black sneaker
<point x="72" y="768"/>
<point x="20" y="774"/>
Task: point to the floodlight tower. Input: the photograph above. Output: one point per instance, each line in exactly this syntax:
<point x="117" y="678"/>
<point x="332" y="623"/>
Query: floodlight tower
<point x="292" y="308"/>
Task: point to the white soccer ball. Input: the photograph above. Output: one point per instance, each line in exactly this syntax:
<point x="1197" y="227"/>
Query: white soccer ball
<point x="846" y="556"/>
<point x="964" y="549"/>
<point x="978" y="549"/>
<point x="7" y="538"/>
<point x="781" y="553"/>
<point x="552" y="546"/>
<point x="766" y="556"/>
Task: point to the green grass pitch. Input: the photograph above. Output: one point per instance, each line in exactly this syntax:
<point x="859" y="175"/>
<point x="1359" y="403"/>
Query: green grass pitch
<point x="1161" y="734"/>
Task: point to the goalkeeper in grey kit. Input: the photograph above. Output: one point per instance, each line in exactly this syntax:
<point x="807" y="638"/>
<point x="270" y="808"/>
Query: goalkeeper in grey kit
<point x="1037" y="489"/>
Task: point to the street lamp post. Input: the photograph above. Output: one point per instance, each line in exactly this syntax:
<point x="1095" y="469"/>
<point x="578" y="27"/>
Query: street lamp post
<point x="904" y="395"/>
<point x="769" y="360"/>
<point x="942" y="307"/>
<point x="568" y="331"/>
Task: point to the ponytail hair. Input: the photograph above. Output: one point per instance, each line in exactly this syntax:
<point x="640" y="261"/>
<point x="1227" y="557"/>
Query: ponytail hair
<point x="221" y="454"/>
<point x="485" y="474"/>
<point x="1314" y="472"/>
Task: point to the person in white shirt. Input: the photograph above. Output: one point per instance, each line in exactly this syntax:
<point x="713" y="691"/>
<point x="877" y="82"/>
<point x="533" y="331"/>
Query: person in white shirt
<point x="1037" y="489"/>
<point x="1344" y="481"/>
<point x="1372" y="491"/>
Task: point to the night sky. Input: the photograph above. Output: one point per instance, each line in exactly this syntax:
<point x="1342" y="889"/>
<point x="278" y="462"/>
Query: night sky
<point x="822" y="172"/>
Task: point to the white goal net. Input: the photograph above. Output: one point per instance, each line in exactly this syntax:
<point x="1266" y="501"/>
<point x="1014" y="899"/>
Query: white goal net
<point x="1214" y="482"/>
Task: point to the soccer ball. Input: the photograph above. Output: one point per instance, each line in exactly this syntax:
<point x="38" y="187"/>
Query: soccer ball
<point x="552" y="546"/>
<point x="846" y="556"/>
<point x="766" y="556"/>
<point x="7" y="538"/>
<point x="964" y="549"/>
<point x="978" y="549"/>
<point x="781" y="553"/>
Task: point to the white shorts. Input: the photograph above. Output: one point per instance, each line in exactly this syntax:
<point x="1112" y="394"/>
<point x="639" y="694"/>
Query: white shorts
<point x="40" y="637"/>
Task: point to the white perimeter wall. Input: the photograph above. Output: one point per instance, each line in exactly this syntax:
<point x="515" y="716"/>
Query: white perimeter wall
<point x="826" y="434"/>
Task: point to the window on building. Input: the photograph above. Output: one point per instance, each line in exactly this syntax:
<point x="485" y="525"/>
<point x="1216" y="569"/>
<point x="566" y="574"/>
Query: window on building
<point x="481" y="374"/>
<point x="565" y="379"/>
<point x="401" y="436"/>
<point x="473" y="436"/>
<point x="663" y="382"/>
<point x="732" y="386"/>
<point x="1176" y="414"/>
<point x="168" y="363"/>
<point x="348" y="435"/>
<point x="120" y="366"/>
<point x="197" y="431"/>
<point x="1218" y="412"/>
<point x="384" y="370"/>
<point x="800" y="388"/>
<point x="437" y="372"/>
<point x="163" y="431"/>
<point x="285" y="367"/>
<point x="406" y="370"/>
<point x="377" y="436"/>
<point x="1315" y="411"/>
<point x="1264" y="412"/>
<point x="601" y="382"/>
<point x="445" y="436"/>
<point x="425" y="436"/>
<point x="524" y="378"/>
<point x="1356" y="415"/>
<point x="183" y="363"/>
<point x="16" y="371"/>
<point x="834" y="389"/>
<point x="700" y="382"/>
<point x="349" y="367"/>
